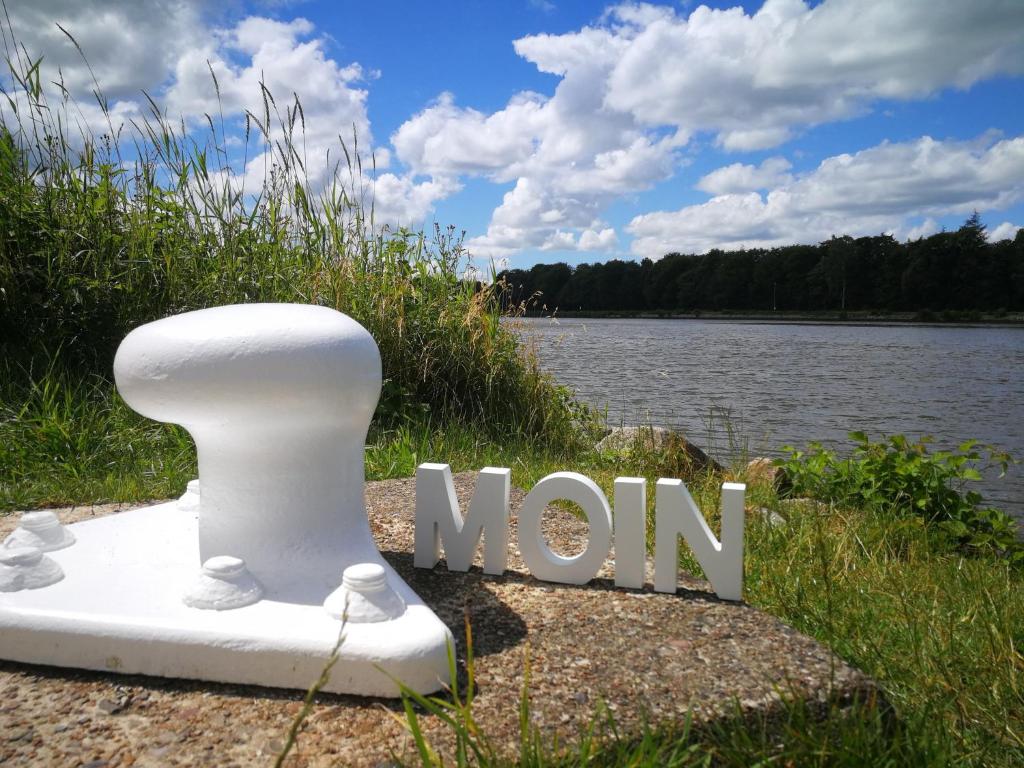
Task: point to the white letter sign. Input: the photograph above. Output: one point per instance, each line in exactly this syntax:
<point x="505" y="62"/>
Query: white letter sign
<point x="438" y="519"/>
<point x="676" y="513"/>
<point x="542" y="562"/>
<point x="630" y="532"/>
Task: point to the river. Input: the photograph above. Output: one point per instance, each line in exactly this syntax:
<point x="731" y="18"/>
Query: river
<point x="748" y="388"/>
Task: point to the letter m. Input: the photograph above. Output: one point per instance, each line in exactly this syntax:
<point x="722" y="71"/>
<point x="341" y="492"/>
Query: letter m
<point x="438" y="519"/>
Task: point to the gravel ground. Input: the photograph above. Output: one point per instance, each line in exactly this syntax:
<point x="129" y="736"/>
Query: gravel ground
<point x="641" y="656"/>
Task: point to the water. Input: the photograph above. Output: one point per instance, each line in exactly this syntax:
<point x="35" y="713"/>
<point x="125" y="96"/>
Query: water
<point x="754" y="387"/>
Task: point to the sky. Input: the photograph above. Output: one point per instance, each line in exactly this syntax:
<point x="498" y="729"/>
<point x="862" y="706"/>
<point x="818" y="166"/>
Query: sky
<point x="551" y="131"/>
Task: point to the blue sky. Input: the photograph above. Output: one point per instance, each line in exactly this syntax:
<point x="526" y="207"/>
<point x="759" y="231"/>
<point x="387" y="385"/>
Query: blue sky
<point x="577" y="131"/>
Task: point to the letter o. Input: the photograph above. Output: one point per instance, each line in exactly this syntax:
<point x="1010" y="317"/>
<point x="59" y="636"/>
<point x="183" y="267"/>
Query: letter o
<point x="542" y="562"/>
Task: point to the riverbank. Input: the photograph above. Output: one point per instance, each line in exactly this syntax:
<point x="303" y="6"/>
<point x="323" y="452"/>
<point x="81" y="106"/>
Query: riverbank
<point x="938" y="627"/>
<point x="964" y="318"/>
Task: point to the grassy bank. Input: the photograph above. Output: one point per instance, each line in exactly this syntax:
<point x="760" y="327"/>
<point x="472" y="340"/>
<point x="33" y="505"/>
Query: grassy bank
<point x="940" y="627"/>
<point x="96" y="238"/>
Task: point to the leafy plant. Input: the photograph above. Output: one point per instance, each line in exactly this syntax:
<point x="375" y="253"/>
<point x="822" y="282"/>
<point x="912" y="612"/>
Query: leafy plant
<point x="903" y="477"/>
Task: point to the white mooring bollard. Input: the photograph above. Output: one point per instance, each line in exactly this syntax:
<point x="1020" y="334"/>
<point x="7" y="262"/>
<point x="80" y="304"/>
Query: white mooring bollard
<point x="231" y="582"/>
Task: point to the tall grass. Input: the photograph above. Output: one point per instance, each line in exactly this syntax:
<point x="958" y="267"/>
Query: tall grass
<point x="99" y="234"/>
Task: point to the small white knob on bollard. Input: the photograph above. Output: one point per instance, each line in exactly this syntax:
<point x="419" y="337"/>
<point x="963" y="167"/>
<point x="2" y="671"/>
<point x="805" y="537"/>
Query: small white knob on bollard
<point x="41" y="530"/>
<point x="189" y="500"/>
<point x="364" y="596"/>
<point x="27" y="568"/>
<point x="223" y="584"/>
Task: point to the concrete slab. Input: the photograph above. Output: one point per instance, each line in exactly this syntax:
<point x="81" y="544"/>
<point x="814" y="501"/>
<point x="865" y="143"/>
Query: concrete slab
<point x="647" y="657"/>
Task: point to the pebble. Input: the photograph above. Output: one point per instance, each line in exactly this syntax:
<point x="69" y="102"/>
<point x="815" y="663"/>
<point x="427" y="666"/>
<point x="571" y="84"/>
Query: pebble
<point x="108" y="707"/>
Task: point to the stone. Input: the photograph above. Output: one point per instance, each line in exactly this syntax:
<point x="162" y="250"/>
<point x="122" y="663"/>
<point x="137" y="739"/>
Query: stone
<point x="652" y="657"/>
<point x="651" y="438"/>
<point x="762" y="470"/>
<point x="771" y="517"/>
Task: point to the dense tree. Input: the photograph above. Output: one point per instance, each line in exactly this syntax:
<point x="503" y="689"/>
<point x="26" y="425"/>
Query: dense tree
<point x="948" y="271"/>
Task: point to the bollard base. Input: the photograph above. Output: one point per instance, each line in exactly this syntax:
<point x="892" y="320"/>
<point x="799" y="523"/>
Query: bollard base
<point x="120" y="609"/>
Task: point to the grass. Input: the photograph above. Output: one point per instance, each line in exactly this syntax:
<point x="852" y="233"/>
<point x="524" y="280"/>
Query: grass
<point x="98" y="235"/>
<point x="101" y="234"/>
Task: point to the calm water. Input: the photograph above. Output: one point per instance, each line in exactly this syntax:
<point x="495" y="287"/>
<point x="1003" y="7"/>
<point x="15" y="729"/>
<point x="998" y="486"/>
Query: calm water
<point x="757" y="386"/>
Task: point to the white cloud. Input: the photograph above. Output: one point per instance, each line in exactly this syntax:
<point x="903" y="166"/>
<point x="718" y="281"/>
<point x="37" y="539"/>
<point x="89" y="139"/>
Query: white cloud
<point x="636" y="85"/>
<point x="881" y="189"/>
<point x="603" y="240"/>
<point x="568" y="155"/>
<point x="633" y="88"/>
<point x="1005" y="231"/>
<point x="448" y="139"/>
<point x="753" y="79"/>
<point x="130" y="46"/>
<point x="746" y="178"/>
<point x="927" y="227"/>
<point x="291" y="63"/>
<point x="174" y="50"/>
<point x="402" y="201"/>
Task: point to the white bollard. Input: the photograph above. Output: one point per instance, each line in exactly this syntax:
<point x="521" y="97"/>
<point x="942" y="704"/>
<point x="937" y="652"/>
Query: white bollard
<point x="248" y="577"/>
<point x="278" y="398"/>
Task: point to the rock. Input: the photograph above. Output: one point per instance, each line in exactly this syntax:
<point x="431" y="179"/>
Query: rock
<point x="113" y="706"/>
<point x="771" y="517"/>
<point x="649" y="438"/>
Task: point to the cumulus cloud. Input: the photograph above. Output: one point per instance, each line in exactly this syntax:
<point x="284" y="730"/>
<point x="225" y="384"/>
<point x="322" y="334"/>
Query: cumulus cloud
<point x="130" y="46"/>
<point x="568" y="154"/>
<point x="633" y="88"/>
<point x="445" y="138"/>
<point x="399" y="200"/>
<point x="746" y="178"/>
<point x="1005" y="231"/>
<point x="752" y="79"/>
<point x="881" y="189"/>
<point x="194" y="63"/>
<point x="325" y="101"/>
<point x="636" y="85"/>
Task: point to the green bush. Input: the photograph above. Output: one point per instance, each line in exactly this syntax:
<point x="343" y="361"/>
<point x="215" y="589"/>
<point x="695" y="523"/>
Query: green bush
<point x="903" y="477"/>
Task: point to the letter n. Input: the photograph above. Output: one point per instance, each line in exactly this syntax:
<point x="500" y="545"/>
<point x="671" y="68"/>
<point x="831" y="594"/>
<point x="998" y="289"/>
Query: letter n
<point x="675" y="514"/>
<point x="438" y="519"/>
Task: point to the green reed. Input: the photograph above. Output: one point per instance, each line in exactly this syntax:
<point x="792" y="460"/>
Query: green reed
<point x="99" y="234"/>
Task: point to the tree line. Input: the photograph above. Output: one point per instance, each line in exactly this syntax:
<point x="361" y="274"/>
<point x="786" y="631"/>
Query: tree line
<point x="948" y="271"/>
